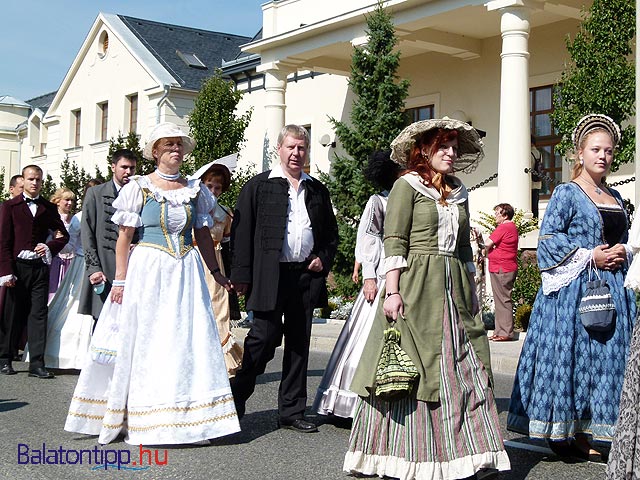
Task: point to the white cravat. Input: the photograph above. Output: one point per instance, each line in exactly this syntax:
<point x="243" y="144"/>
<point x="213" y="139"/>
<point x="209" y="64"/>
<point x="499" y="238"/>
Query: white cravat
<point x="33" y="206"/>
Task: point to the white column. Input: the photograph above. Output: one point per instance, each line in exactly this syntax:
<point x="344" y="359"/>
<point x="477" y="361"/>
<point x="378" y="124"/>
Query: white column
<point x="275" y="84"/>
<point x="515" y="141"/>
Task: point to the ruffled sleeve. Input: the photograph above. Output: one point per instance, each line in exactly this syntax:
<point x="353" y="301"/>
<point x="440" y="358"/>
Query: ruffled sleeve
<point x="369" y="240"/>
<point x="128" y="205"/>
<point x="204" y="208"/>
<point x="561" y="258"/>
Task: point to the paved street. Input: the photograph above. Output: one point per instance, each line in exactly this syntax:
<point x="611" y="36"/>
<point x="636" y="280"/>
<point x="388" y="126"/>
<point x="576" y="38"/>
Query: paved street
<point x="32" y="412"/>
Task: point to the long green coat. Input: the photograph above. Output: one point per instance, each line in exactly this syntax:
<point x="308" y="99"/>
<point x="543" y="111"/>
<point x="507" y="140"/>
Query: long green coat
<point x="434" y="240"/>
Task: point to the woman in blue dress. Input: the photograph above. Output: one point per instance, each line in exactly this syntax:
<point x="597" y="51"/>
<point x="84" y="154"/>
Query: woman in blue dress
<point x="568" y="382"/>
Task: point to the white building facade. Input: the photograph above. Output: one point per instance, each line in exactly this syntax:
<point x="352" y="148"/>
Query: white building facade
<point x="128" y="75"/>
<point x="493" y="64"/>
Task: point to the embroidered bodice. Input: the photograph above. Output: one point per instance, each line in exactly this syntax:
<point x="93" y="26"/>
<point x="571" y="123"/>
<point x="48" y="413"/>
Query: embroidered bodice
<point x="572" y="227"/>
<point x="165" y="218"/>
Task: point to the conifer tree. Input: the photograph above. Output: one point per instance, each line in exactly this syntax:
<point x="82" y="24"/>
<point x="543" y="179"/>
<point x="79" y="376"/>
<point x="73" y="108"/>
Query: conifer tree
<point x="601" y="76"/>
<point x="73" y="178"/>
<point x="48" y="187"/>
<point x="376" y="119"/>
<point x="130" y="141"/>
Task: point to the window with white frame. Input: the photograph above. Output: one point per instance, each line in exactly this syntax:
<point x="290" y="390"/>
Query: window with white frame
<point x="103" y="109"/>
<point x="545" y="136"/>
<point x="76" y="126"/>
<point x="415" y="114"/>
<point x="133" y="113"/>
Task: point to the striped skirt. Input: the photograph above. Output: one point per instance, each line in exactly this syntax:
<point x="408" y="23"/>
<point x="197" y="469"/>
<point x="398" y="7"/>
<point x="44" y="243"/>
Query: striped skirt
<point x="450" y="439"/>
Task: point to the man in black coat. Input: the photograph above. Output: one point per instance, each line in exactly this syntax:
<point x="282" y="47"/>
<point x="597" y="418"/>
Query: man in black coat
<point x="284" y="238"/>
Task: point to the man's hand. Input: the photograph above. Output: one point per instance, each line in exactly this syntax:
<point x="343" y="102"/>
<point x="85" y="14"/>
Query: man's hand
<point x="96" y="278"/>
<point x="41" y="250"/>
<point x="315" y="265"/>
<point x="241" y="288"/>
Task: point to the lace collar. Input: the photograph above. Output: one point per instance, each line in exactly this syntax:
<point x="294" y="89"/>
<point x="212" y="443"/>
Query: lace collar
<point x="458" y="195"/>
<point x="175" y="198"/>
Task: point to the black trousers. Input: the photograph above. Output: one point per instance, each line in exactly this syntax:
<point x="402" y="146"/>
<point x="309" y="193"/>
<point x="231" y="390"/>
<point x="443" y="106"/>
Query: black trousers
<point x="26" y="303"/>
<point x="265" y="336"/>
<point x="535" y="200"/>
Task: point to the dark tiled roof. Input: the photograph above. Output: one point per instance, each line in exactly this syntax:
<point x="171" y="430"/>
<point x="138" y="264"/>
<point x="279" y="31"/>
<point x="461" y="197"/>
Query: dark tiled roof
<point x="255" y="38"/>
<point x="163" y="39"/>
<point x="43" y="102"/>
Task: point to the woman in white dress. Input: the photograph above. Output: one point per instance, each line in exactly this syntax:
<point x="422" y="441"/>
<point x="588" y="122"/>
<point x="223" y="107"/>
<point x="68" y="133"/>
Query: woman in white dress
<point x="333" y="396"/>
<point x="168" y="382"/>
<point x="69" y="332"/>
<point x="65" y="199"/>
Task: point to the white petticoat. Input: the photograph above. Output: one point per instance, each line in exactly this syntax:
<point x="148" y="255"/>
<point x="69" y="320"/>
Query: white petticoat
<point x="68" y="332"/>
<point x="169" y="383"/>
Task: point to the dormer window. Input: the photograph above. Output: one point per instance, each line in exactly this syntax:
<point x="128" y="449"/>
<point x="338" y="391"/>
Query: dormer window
<point x="191" y="59"/>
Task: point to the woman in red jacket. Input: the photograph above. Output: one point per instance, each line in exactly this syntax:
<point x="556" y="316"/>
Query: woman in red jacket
<point x="502" y="246"/>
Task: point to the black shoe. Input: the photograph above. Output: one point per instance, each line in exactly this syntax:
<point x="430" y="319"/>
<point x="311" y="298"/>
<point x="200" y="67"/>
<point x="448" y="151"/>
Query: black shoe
<point x="563" y="449"/>
<point x="240" y="411"/>
<point x="299" y="425"/>
<point x="487" y="473"/>
<point x="7" y="369"/>
<point x="40" y="372"/>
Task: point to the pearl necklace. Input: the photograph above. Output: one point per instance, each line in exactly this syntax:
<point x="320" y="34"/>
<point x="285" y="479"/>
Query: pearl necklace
<point x="168" y="177"/>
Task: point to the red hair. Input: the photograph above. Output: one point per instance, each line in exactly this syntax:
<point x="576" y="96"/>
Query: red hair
<point x="429" y="142"/>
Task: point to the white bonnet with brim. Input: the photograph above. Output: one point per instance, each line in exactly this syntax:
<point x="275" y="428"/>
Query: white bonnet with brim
<point x="594" y="121"/>
<point x="229" y="161"/>
<point x="470" y="146"/>
<point x="167" y="130"/>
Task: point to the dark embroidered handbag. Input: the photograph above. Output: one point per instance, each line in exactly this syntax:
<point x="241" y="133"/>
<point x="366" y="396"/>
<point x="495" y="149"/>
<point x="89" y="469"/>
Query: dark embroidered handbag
<point x="597" y="310"/>
<point x="396" y="374"/>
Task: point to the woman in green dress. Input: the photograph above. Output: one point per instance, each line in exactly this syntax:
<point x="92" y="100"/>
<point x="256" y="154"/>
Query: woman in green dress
<point x="448" y="427"/>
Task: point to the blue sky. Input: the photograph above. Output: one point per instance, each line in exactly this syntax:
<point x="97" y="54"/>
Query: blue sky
<point x="40" y="38"/>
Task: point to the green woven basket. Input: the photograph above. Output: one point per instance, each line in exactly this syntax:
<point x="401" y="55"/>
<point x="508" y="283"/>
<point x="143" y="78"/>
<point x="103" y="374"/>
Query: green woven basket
<point x="396" y="374"/>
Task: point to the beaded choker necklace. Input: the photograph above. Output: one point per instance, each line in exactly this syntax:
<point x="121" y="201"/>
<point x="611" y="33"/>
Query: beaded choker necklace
<point x="168" y="177"/>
